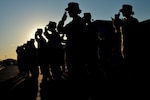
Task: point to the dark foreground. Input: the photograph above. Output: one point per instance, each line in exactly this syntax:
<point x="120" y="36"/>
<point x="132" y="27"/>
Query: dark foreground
<point x="15" y="87"/>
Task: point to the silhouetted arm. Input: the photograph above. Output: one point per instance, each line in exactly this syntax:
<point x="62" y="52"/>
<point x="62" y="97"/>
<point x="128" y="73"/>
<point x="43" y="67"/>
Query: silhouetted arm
<point x="116" y="21"/>
<point x="60" y="26"/>
<point x="36" y="37"/>
<point x="46" y="34"/>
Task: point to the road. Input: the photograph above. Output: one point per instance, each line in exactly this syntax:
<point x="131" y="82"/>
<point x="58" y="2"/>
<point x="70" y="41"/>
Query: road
<point x="14" y="87"/>
<point x="17" y="87"/>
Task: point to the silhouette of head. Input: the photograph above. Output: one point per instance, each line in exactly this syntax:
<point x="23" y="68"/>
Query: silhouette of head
<point x="127" y="9"/>
<point x="32" y="40"/>
<point x="87" y="16"/>
<point x="73" y="7"/>
<point x="51" y="25"/>
<point x="39" y="31"/>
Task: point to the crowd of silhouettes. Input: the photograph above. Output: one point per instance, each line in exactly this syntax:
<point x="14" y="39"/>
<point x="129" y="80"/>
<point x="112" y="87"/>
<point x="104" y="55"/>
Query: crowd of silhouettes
<point x="26" y="59"/>
<point x="86" y="55"/>
<point x="94" y="51"/>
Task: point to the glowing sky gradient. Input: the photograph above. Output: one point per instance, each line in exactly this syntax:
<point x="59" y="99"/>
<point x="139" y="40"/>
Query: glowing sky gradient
<point x="19" y="19"/>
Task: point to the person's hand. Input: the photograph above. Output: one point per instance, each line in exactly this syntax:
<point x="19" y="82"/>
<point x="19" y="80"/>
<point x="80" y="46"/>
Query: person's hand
<point x="45" y="29"/>
<point x="64" y="16"/>
<point x="116" y="20"/>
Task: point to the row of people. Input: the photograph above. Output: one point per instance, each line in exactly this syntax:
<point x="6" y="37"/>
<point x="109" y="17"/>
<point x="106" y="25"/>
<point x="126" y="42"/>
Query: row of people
<point x="48" y="56"/>
<point x="81" y="49"/>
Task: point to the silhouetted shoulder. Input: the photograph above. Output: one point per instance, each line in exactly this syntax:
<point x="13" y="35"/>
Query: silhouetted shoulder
<point x="135" y="19"/>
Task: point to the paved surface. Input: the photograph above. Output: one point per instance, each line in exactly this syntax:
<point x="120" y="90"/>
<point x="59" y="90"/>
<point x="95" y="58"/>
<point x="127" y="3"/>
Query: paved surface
<point x="8" y="72"/>
<point x="14" y="87"/>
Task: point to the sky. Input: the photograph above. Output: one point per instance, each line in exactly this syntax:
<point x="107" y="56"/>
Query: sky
<point x="19" y="19"/>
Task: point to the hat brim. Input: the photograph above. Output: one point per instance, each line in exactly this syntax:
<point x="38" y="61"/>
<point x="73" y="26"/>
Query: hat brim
<point x="121" y="10"/>
<point x="67" y="9"/>
<point x="70" y="9"/>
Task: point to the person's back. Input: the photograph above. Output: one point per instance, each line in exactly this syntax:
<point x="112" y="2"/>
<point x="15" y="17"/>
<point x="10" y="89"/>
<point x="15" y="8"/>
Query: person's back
<point x="91" y="46"/>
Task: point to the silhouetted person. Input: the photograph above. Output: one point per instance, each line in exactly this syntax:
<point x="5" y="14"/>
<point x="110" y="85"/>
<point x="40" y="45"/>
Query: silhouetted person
<point x="74" y="31"/>
<point x="117" y="40"/>
<point x="20" y="59"/>
<point x="54" y="50"/>
<point x="25" y="60"/>
<point x="131" y="39"/>
<point x="32" y="59"/>
<point x="91" y="46"/>
<point x="41" y="54"/>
